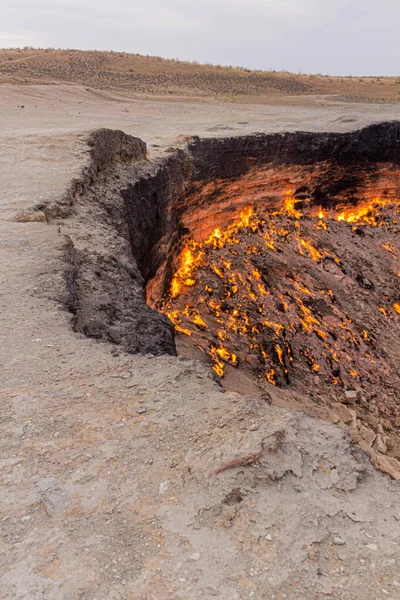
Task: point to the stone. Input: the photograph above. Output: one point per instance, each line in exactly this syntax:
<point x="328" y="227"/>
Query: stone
<point x="164" y="486"/>
<point x="254" y="427"/>
<point x="268" y="537"/>
<point x="387" y="464"/>
<point x="53" y="494"/>
<point x="355" y="434"/>
<point x="195" y="556"/>
<point x="372" y="547"/>
<point x="253" y="361"/>
<point x="338" y="541"/>
<point x="379" y="444"/>
<point x="367" y="435"/>
<point x="350" y="396"/>
<point x="373" y="422"/>
<point x="346" y="415"/>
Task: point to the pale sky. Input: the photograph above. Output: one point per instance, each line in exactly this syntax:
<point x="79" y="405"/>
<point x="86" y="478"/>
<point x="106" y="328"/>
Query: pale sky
<point x="339" y="37"/>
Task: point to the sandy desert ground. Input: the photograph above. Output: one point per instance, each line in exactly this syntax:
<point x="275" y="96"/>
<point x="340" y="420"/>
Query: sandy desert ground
<point x="152" y="75"/>
<point x="108" y="460"/>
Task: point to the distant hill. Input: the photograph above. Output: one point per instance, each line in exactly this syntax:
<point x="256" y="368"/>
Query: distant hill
<point x="153" y="75"/>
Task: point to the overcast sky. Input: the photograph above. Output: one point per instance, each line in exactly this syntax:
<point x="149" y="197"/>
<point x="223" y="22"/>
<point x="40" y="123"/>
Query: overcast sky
<point x="340" y="37"/>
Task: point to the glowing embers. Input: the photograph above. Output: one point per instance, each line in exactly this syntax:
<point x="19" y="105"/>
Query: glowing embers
<point x="257" y="295"/>
<point x="192" y="256"/>
<point x="366" y="212"/>
<point x="220" y="356"/>
<point x="305" y="247"/>
<point x="289" y="206"/>
<point x="190" y="260"/>
<point x="388" y="247"/>
<point x="192" y="316"/>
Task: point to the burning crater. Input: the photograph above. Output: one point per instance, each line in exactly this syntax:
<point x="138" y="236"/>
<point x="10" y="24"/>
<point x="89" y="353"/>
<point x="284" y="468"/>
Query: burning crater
<point x="289" y="287"/>
<point x="274" y="255"/>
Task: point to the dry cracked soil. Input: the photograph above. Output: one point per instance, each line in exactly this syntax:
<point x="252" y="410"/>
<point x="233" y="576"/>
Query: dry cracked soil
<point x="137" y="477"/>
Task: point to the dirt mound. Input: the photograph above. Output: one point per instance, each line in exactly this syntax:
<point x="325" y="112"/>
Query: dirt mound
<point x="154" y="75"/>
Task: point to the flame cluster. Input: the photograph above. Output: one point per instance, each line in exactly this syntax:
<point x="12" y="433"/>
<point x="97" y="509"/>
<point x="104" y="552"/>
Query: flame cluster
<point x="193" y="255"/>
<point x="365" y="212"/>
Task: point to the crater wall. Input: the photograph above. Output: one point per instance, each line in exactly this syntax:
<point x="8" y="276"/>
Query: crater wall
<point x="139" y="213"/>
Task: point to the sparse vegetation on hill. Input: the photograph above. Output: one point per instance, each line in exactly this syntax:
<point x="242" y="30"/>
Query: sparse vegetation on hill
<point x="157" y="76"/>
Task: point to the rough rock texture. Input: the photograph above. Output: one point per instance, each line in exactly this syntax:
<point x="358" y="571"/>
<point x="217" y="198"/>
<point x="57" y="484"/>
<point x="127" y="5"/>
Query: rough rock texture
<point x="230" y="157"/>
<point x="151" y="200"/>
<point x="105" y="148"/>
<point x="125" y="202"/>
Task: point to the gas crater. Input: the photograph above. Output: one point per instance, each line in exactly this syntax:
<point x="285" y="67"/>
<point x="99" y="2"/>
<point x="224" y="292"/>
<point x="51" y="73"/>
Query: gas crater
<point x="266" y="291"/>
<point x="275" y="256"/>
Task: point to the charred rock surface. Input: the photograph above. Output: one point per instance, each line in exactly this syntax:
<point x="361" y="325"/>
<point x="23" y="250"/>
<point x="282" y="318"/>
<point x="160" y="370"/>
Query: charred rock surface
<point x="125" y="202"/>
<point x="232" y="157"/>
